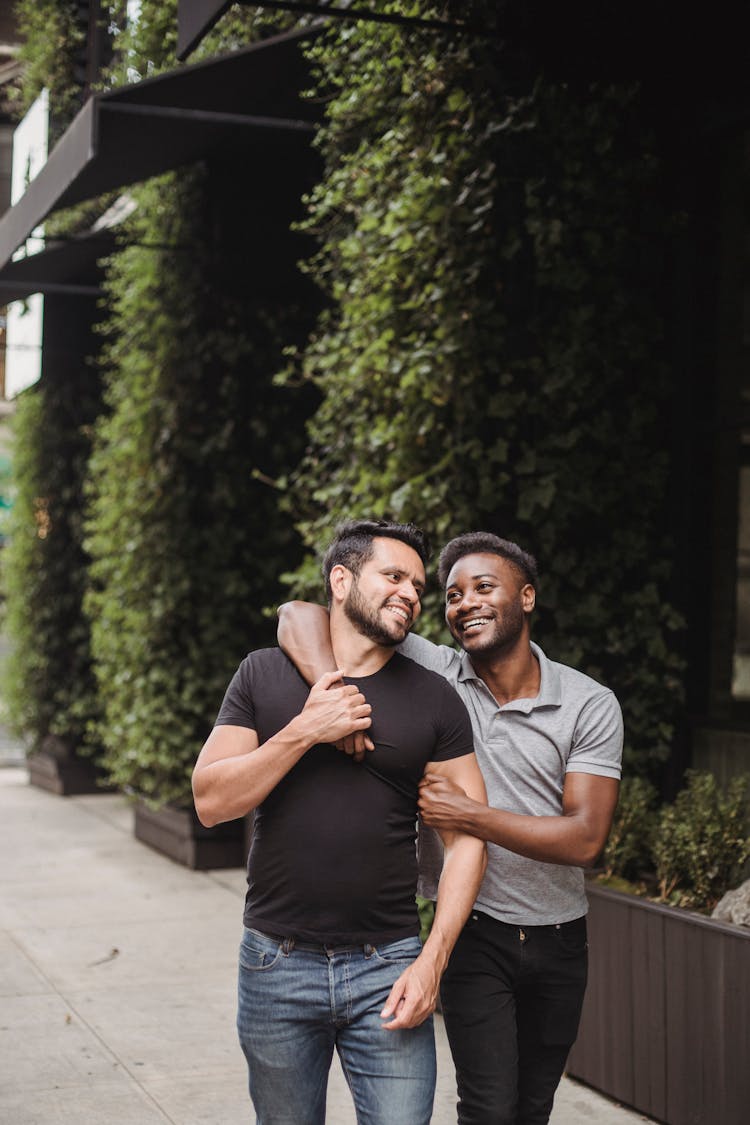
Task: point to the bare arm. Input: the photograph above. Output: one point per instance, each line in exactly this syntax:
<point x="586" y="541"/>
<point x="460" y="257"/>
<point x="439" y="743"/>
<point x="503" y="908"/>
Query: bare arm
<point x="576" y="837"/>
<point x="233" y="774"/>
<point x="304" y="635"/>
<point x="414" y="994"/>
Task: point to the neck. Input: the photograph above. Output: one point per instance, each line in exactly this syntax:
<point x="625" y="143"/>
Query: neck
<point x="355" y="654"/>
<point x="511" y="673"/>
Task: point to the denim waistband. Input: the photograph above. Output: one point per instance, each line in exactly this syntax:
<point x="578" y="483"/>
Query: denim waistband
<point x="288" y="943"/>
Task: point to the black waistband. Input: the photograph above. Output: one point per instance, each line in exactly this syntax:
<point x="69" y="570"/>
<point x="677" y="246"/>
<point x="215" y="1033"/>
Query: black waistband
<point x="479" y="915"/>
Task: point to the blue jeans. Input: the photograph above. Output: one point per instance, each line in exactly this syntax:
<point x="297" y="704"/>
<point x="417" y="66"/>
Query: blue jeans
<point x="299" y="1001"/>
<point x="512" y="999"/>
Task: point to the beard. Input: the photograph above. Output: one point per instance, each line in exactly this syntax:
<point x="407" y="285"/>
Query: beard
<point x="502" y="634"/>
<point x="367" y="621"/>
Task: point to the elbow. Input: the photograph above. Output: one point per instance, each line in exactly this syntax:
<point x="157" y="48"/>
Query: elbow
<point x="206" y="815"/>
<point x="205" y="808"/>
<point x="590" y="852"/>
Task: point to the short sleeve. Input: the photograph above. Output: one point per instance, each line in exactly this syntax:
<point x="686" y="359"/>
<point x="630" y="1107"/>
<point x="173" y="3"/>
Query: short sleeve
<point x="455" y="738"/>
<point x="598" y="737"/>
<point x="237" y="708"/>
<point x="438" y="658"/>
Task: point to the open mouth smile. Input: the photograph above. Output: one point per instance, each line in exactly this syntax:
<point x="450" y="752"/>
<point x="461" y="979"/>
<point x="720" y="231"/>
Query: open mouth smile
<point x="399" y="611"/>
<point x="473" y="624"/>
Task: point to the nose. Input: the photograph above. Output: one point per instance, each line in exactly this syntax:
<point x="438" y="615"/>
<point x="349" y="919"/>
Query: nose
<point x="468" y="599"/>
<point x="408" y="591"/>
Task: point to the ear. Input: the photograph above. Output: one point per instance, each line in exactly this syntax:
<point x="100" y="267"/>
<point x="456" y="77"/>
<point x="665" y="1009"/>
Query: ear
<point x="528" y="597"/>
<point x="341" y="581"/>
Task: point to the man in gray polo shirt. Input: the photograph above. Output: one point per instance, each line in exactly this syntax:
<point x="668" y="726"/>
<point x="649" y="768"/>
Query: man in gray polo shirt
<point x="548" y="740"/>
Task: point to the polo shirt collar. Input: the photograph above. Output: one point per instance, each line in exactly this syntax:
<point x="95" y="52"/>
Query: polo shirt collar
<point x="550" y="692"/>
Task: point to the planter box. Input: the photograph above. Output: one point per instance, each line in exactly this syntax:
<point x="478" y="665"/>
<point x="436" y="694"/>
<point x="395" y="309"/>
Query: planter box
<point x="57" y="768"/>
<point x="179" y="834"/>
<point x="666" y="1020"/>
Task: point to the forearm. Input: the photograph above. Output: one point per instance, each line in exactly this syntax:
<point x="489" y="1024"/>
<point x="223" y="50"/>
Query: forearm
<point x="230" y="787"/>
<point x="571" y="840"/>
<point x="304" y="635"/>
<point x="463" y="869"/>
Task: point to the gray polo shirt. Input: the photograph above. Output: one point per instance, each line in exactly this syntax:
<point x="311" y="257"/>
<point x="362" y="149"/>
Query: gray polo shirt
<point x="524" y="749"/>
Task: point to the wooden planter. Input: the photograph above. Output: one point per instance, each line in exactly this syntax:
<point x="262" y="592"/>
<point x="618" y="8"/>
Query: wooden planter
<point x="666" y="1020"/>
<point x="179" y="834"/>
<point x="57" y="768"/>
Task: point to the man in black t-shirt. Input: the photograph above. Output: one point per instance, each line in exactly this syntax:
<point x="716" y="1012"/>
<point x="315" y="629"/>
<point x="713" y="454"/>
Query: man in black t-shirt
<point x="330" y="957"/>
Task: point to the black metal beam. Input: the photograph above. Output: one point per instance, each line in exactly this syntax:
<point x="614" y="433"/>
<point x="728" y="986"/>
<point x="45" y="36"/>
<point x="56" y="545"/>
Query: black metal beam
<point x="207" y="116"/>
<point x="42" y="285"/>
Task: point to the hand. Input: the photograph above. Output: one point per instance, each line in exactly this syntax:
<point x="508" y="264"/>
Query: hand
<point x="355" y="745"/>
<point x="441" y="802"/>
<point x="413" y="996"/>
<point x="334" y="710"/>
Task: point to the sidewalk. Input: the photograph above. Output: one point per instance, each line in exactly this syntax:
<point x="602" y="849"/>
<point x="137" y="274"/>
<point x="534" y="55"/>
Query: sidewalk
<point x="117" y="980"/>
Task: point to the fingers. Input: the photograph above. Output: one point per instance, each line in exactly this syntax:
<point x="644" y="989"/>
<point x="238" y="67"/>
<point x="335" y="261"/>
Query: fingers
<point x="355" y="745"/>
<point x="328" y="679"/>
<point x="407" y="1005"/>
<point x="395" y="999"/>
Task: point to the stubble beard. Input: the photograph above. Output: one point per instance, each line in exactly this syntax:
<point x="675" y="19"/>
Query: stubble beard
<point x="367" y="622"/>
<point x="505" y="633"/>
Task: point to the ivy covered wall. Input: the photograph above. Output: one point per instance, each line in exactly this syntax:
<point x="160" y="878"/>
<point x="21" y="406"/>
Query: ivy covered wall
<point x="183" y="545"/>
<point x="51" y="693"/>
<point x="492" y="244"/>
<point x="49" y="685"/>
<point x="185" y="538"/>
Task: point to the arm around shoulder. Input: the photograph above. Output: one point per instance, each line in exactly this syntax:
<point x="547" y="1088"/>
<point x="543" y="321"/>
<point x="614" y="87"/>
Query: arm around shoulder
<point x="304" y="635"/>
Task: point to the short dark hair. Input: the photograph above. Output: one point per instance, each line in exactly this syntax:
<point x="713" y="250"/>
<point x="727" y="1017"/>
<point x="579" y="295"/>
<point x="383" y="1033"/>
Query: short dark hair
<point x="352" y="544"/>
<point x="485" y="543"/>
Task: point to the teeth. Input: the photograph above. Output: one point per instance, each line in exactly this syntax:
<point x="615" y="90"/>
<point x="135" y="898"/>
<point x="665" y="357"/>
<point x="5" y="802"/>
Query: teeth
<point x="476" y="621"/>
<point x="399" y="610"/>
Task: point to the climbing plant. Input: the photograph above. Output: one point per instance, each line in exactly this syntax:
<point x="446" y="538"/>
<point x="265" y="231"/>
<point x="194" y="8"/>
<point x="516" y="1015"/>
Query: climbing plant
<point x="49" y="686"/>
<point x="178" y="584"/>
<point x="491" y="243"/>
<point x="185" y="540"/>
<point x="183" y="529"/>
<point x="52" y="36"/>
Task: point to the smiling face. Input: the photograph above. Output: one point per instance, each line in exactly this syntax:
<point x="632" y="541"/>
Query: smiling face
<point x="487" y="604"/>
<point x="384" y="600"/>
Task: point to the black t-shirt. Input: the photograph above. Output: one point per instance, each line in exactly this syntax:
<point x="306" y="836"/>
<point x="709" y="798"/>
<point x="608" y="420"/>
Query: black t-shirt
<point x="333" y="853"/>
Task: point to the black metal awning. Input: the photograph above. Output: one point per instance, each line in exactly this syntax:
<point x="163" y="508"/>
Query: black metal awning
<point x="69" y="267"/>
<point x="152" y="126"/>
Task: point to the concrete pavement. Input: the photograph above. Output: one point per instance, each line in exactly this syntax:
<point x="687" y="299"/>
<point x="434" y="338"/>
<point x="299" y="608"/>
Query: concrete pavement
<point x="117" y="979"/>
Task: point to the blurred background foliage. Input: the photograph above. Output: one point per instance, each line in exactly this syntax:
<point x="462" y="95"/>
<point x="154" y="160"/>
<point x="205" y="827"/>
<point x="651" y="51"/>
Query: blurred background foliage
<point x="488" y="246"/>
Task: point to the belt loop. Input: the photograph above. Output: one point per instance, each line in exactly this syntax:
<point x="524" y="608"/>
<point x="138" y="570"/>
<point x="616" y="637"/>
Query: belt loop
<point x="287" y="946"/>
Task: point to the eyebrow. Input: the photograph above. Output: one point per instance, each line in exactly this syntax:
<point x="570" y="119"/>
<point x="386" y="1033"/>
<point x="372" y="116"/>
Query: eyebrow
<point x="416" y="582"/>
<point x="475" y="578"/>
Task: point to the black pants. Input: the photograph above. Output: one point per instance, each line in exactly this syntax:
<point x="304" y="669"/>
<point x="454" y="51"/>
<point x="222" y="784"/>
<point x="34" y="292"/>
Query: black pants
<point x="512" y="1001"/>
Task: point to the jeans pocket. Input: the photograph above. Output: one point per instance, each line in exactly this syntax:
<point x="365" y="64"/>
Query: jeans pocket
<point x="258" y="951"/>
<point x="405" y="950"/>
<point x="571" y="938"/>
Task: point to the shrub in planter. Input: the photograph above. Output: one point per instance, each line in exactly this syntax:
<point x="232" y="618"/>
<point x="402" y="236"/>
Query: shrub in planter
<point x="685" y="854"/>
<point x="627" y="853"/>
<point x="702" y="841"/>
